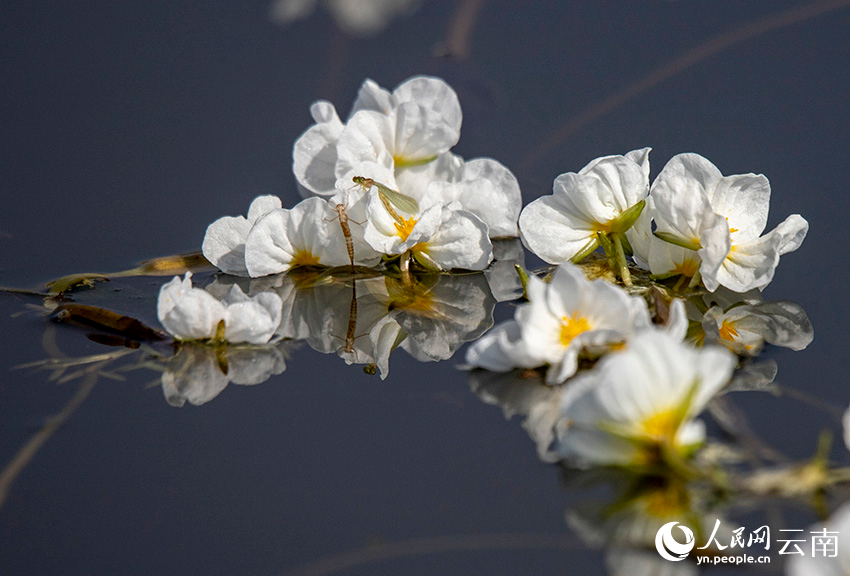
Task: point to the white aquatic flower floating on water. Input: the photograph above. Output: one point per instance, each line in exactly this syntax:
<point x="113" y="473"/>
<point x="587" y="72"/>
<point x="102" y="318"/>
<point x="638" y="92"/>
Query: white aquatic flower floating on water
<point x="721" y="219"/>
<point x="309" y="234"/>
<point x="562" y="318"/>
<point x="224" y="241"/>
<point x="564" y="225"/>
<point x="637" y="407"/>
<point x="593" y="207"/>
<point x="404" y="137"/>
<point x="438" y="236"/>
<point x="189" y="313"/>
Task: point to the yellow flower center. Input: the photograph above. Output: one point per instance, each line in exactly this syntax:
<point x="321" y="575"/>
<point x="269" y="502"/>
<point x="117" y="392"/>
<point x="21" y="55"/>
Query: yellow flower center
<point x="727" y="330"/>
<point x="604" y="228"/>
<point x="687" y="268"/>
<point x="405" y="227"/>
<point x="304" y="258"/>
<point x="662" y="425"/>
<point x="571" y="327"/>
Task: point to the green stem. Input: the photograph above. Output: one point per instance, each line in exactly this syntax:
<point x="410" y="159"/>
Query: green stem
<point x="622" y="265"/>
<point x="695" y="280"/>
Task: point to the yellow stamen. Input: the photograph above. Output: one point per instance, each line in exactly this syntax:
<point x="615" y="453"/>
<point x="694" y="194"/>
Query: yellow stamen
<point x="405" y="227"/>
<point x="727" y="331"/>
<point x="571" y="327"/>
<point x="731" y="230"/>
<point x="304" y="258"/>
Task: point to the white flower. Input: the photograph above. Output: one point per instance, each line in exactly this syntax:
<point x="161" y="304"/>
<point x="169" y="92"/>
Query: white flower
<point x="562" y="318"/>
<point x="402" y="139"/>
<point x="354" y="17"/>
<point x="439" y="237"/>
<point x="414" y="125"/>
<point x="309" y="234"/>
<point x="637" y="405"/>
<point x="722" y="218"/>
<point x="596" y="199"/>
<point x="224" y="241"/>
<point x="189" y="313"/>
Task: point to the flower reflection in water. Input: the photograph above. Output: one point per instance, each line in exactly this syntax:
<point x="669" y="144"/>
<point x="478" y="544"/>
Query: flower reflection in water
<point x="363" y="318"/>
<point x="199" y="373"/>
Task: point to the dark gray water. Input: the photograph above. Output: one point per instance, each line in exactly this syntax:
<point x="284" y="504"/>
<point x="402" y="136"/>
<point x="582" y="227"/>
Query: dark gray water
<point x="127" y="129"/>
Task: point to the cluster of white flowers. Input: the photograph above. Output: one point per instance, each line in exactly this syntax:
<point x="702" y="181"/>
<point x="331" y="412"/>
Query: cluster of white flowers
<point x="384" y="187"/>
<point x="636" y="406"/>
<point x="412" y="197"/>
<point x="706" y="226"/>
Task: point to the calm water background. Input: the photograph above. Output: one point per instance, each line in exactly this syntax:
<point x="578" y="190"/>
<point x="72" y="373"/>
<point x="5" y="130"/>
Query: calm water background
<point x="128" y="127"/>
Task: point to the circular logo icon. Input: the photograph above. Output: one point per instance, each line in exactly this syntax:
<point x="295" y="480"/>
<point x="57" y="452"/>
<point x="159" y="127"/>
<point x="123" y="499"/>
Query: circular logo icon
<point x="668" y="547"/>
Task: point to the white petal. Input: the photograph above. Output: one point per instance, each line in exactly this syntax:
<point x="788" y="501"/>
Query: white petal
<point x="553" y="233"/>
<point x="608" y="186"/>
<point x="743" y="200"/>
<point x="640" y="236"/>
<point x="793" y="231"/>
<point x="224" y="241"/>
<point x="188" y="313"/>
<point x="433" y="94"/>
<point x="415" y="180"/>
<point x="716" y="242"/>
<point x="224" y="244"/>
<point x="420" y="133"/>
<point x="641" y="158"/>
<point x="262" y="205"/>
<point x="314" y="155"/>
<point x="461" y="242"/>
<point x="488" y="190"/>
<point x="368" y="137"/>
<point x="372" y="97"/>
<point x="500" y="350"/>
<point x="268" y="249"/>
